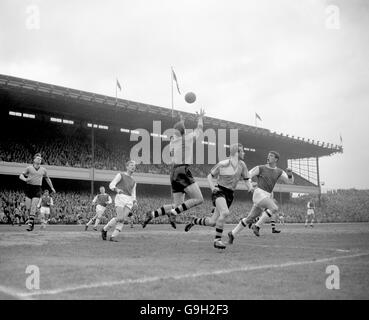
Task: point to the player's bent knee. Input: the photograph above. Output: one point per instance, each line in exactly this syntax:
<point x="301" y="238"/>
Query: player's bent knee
<point x="273" y="209"/>
<point x="224" y="213"/>
<point x="221" y="218"/>
<point x="249" y="220"/>
<point x="211" y="224"/>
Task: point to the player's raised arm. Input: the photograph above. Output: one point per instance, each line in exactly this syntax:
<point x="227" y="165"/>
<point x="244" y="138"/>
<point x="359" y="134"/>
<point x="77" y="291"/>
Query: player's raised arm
<point x="23" y="175"/>
<point x="48" y="180"/>
<point x="112" y="185"/>
<point x="214" y="173"/>
<point x="247" y="178"/>
<point x="134" y="192"/>
<point x="287" y="176"/>
<point x="94" y="200"/>
<point x="200" y="123"/>
<point x="135" y="206"/>
<point x="211" y="183"/>
<point x="254" y="172"/>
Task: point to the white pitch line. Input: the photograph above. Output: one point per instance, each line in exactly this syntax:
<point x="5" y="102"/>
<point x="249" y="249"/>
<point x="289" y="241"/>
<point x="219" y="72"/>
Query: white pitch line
<point x="184" y="276"/>
<point x="13" y="293"/>
<point x="279" y="246"/>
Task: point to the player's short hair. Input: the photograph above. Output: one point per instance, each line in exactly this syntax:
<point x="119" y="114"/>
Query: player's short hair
<point x="37" y="155"/>
<point x="234" y="148"/>
<point x="129" y="162"/>
<point x="101" y="187"/>
<point x="276" y="154"/>
<point x="180" y="127"/>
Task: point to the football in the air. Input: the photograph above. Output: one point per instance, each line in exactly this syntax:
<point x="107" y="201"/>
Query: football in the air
<point x="190" y="97"/>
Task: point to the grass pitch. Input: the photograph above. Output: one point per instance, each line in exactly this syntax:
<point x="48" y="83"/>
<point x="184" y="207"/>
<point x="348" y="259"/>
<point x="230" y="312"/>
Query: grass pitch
<point x="159" y="262"/>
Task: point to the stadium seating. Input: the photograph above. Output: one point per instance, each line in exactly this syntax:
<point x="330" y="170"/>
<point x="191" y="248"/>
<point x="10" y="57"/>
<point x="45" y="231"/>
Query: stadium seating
<point x="63" y="146"/>
<point x="70" y="146"/>
<point x="76" y="207"/>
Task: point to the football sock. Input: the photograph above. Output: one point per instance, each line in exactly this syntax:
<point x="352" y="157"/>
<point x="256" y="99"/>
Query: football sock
<point x="273" y="224"/>
<point x="264" y="216"/>
<point x="161" y="211"/>
<point x="117" y="229"/>
<point x="218" y="233"/>
<point x="186" y="205"/>
<point x="239" y="227"/>
<point x="201" y="221"/>
<point x="110" y="224"/>
<point x="97" y="222"/>
<point x="31" y="220"/>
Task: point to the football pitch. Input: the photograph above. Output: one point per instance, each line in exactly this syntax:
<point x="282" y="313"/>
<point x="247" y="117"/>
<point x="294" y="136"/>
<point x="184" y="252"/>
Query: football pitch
<point x="161" y="263"/>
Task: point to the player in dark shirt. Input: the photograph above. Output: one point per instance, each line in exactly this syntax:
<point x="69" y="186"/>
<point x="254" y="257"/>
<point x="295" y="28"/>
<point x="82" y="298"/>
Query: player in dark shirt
<point x="264" y="205"/>
<point x="101" y="201"/>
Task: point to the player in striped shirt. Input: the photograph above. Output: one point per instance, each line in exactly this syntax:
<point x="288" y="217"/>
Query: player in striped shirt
<point x="101" y="201"/>
<point x="44" y="205"/>
<point x="125" y="200"/>
<point x="181" y="179"/>
<point x="264" y="205"/>
<point x="33" y="176"/>
<point x="228" y="173"/>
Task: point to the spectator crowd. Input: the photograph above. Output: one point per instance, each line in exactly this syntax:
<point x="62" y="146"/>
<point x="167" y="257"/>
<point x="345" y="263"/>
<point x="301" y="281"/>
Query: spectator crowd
<point x="70" y="146"/>
<point x="76" y="207"/>
<point x="61" y="147"/>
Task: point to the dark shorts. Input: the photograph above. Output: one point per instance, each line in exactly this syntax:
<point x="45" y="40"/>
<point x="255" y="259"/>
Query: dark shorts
<point x="33" y="191"/>
<point x="225" y="193"/>
<point x="181" y="177"/>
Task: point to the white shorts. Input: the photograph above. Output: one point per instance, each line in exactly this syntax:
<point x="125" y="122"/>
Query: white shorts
<point x="45" y="210"/>
<point x="122" y="200"/>
<point x="100" y="210"/>
<point x="260" y="194"/>
<point x="310" y="212"/>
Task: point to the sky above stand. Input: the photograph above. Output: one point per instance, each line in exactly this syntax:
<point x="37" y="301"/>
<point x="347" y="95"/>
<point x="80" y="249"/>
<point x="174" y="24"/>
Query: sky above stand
<point x="302" y="66"/>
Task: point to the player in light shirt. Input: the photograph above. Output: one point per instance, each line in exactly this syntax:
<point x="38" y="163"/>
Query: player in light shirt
<point x="228" y="173"/>
<point x="33" y="176"/>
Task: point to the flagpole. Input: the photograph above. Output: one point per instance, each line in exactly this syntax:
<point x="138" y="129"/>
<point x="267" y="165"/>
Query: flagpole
<point x="172" y="89"/>
<point x="116" y="92"/>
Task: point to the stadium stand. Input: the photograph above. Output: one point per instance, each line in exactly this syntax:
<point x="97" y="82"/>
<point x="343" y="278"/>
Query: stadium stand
<point x="75" y="207"/>
<point x="60" y="123"/>
<point x="71" y="147"/>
